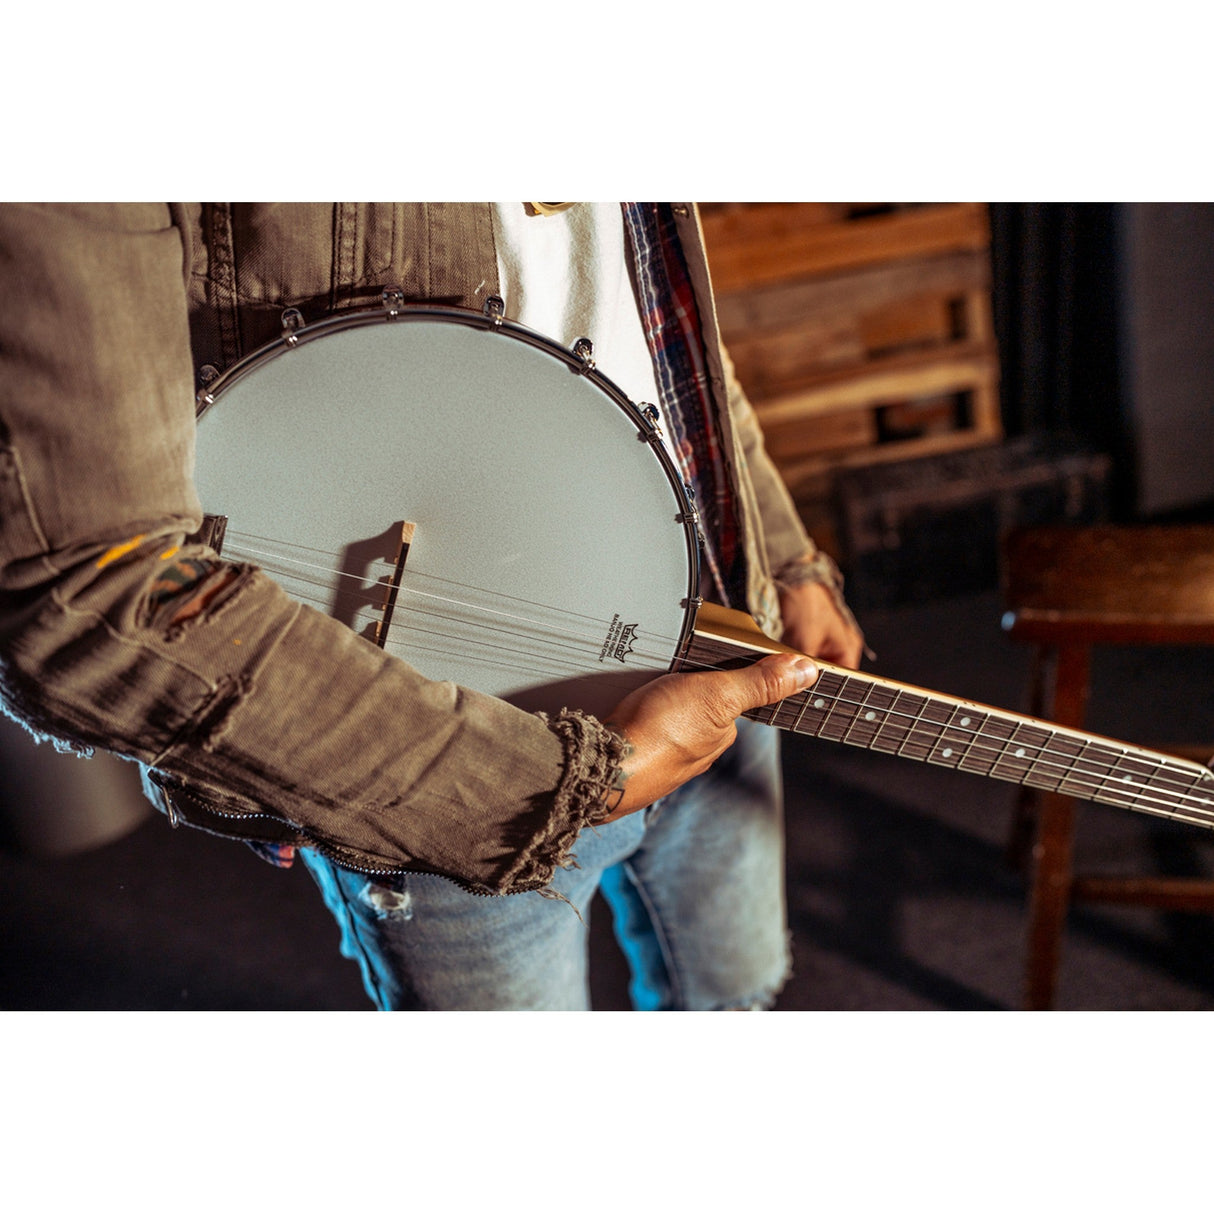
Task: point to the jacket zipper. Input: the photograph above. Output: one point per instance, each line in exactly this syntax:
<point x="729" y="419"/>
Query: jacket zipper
<point x="208" y="807"/>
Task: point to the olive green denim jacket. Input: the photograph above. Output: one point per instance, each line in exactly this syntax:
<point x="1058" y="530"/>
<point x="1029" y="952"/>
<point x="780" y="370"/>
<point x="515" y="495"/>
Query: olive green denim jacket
<point x="261" y="718"/>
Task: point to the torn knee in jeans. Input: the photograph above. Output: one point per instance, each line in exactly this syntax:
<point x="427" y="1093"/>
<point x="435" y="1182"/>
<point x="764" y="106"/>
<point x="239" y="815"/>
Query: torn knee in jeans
<point x="387" y="903"/>
<point x="763" y="1002"/>
<point x="765" y="999"/>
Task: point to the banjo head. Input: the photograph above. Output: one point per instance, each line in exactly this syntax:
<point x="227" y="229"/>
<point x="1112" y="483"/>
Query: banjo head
<point x="554" y="559"/>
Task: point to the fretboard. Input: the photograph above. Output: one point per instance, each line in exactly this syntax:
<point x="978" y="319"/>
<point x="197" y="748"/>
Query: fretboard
<point x="878" y="714"/>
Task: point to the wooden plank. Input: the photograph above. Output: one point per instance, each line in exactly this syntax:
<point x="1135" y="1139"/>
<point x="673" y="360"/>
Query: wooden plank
<point x="772" y="242"/>
<point x="784" y="360"/>
<point x="785" y="305"/>
<point x="808" y="212"/>
<point x="961" y="368"/>
<point x="801" y="437"/>
<point x="923" y="320"/>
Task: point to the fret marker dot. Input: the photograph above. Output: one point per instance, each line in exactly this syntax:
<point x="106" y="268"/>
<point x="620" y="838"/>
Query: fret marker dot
<point x="1020" y="753"/>
<point x="819" y="703"/>
<point x="1127" y="779"/>
<point x="870" y="716"/>
<point x="947" y="752"/>
<point x="965" y="720"/>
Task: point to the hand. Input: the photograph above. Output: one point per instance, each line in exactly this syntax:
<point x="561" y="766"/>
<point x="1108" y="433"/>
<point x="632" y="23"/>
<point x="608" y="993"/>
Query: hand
<point x="677" y="726"/>
<point x="813" y="624"/>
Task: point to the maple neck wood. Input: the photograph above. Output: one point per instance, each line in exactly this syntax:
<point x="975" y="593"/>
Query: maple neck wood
<point x="860" y="709"/>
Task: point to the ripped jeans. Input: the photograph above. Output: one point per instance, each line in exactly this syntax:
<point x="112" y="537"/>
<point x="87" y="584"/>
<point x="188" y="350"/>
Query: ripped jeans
<point x="695" y="885"/>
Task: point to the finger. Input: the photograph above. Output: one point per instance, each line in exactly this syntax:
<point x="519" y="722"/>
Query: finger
<point x="773" y="678"/>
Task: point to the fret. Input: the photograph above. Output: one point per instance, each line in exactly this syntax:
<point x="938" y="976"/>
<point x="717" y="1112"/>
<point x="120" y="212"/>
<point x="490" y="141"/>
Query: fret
<point x="1134" y="774"/>
<point x="786" y="713"/>
<point x="842" y="709"/>
<point x="975" y="755"/>
<point x="990" y="733"/>
<point x="929" y="733"/>
<point x="1063" y="755"/>
<point x="1092" y="768"/>
<point x="1202" y="804"/>
<point x="910" y="746"/>
<point x="813" y="712"/>
<point x="1115" y="787"/>
<point x="1161" y="787"/>
<point x="804" y="697"/>
<point x="953" y="739"/>
<point x="871" y="714"/>
<point x="1081" y="769"/>
<point x="814" y="705"/>
<point x="1172" y="779"/>
<point x="1020" y="752"/>
<point x="1040" y="771"/>
<point x="894" y="729"/>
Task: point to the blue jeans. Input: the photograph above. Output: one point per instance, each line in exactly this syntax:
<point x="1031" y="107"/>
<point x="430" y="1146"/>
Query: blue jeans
<point x="695" y="885"/>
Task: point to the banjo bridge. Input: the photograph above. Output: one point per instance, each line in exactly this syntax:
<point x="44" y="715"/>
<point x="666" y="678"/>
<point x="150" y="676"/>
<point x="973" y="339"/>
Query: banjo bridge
<point x="389" y="605"/>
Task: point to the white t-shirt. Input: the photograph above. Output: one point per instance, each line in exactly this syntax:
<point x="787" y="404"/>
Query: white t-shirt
<point x="567" y="276"/>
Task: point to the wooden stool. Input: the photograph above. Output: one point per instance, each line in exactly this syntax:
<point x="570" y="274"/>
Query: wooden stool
<point x="1066" y="590"/>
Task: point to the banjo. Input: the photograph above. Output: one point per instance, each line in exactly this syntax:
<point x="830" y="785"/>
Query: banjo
<point x="485" y="504"/>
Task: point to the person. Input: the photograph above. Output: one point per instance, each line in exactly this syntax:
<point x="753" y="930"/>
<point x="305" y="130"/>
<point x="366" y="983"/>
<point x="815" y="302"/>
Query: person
<point x="117" y="630"/>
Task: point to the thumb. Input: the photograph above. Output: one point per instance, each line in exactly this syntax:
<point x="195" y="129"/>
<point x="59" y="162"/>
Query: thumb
<point x="771" y="679"/>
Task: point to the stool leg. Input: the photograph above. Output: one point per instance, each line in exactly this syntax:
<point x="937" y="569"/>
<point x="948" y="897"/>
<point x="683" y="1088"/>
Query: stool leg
<point x="1049" y="897"/>
<point x="1051" y="875"/>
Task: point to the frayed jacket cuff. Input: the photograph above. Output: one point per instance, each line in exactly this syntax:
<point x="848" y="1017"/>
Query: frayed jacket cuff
<point x="593" y="755"/>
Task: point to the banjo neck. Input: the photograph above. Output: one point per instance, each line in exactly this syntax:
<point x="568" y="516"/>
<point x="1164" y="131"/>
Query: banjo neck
<point x="860" y="709"/>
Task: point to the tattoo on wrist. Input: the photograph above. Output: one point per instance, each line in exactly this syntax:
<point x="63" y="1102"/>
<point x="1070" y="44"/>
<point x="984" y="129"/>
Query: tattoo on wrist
<point x="615" y="794"/>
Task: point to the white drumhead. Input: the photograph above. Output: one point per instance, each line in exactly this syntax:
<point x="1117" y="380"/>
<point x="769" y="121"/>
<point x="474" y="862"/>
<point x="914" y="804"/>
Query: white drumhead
<point x="551" y="563"/>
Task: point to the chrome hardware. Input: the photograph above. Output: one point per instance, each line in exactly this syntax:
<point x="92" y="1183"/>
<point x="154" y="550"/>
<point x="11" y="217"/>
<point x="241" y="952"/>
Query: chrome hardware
<point x="207" y="375"/>
<point x="692" y="515"/>
<point x="694" y="603"/>
<point x="292" y="319"/>
<point x="652" y="417"/>
<point x="583" y="349"/>
<point x="495" y="309"/>
<point x="392" y="299"/>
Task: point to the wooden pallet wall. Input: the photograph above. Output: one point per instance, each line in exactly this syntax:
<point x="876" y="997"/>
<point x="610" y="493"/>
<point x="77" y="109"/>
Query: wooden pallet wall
<point x="861" y="331"/>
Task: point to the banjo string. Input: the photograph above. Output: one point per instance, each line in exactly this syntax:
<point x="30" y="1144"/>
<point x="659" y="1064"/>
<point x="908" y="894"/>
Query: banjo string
<point x="330" y="570"/>
<point x="558" y="664"/>
<point x="585" y="642"/>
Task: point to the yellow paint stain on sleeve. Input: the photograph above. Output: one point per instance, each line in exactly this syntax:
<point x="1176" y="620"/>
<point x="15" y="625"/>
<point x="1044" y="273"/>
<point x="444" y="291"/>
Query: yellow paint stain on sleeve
<point x="164" y="556"/>
<point x="120" y="550"/>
